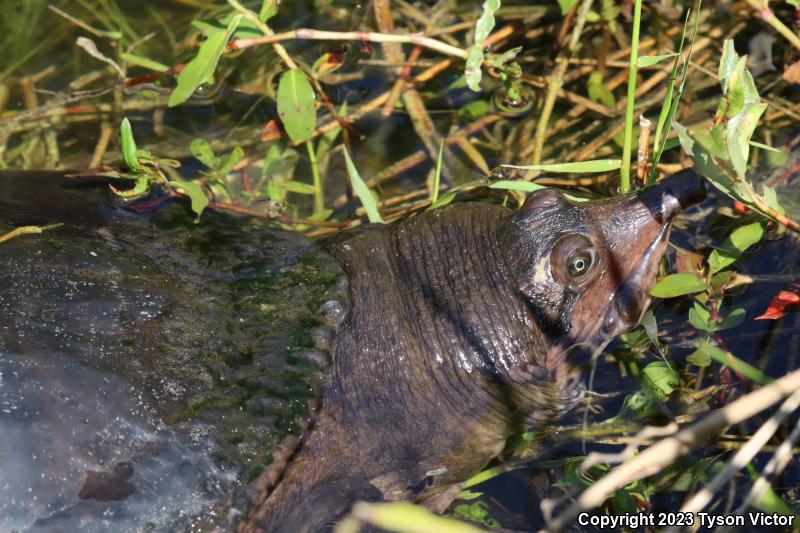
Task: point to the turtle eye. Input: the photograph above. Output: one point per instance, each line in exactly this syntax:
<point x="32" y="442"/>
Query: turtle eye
<point x="574" y="258"/>
<point x="580" y="262"/>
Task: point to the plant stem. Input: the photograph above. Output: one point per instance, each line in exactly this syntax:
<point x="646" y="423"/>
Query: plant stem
<point x="321" y="35"/>
<point x="26" y="230"/>
<point x="625" y="170"/>
<point x="770" y="18"/>
<point x="279" y="49"/>
<point x="319" y="193"/>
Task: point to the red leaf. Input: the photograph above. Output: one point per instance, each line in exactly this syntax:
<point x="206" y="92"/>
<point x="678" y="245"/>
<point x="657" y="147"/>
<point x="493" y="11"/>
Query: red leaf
<point x="779" y="305"/>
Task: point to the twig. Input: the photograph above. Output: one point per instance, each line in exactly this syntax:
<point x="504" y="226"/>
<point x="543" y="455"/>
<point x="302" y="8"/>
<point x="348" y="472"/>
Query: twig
<point x="400" y="82"/>
<point x="666" y="451"/>
<point x="420" y="118"/>
<point x="80" y="23"/>
<point x="740" y="458"/>
<point x="102" y="144"/>
<point x="279" y="49"/>
<point x="372" y="37"/>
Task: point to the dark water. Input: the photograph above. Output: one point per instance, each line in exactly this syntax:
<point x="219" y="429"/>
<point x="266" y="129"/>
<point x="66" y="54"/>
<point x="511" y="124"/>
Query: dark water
<point x="164" y="358"/>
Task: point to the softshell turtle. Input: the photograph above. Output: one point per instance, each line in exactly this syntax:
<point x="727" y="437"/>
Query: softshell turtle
<point x="465" y="325"/>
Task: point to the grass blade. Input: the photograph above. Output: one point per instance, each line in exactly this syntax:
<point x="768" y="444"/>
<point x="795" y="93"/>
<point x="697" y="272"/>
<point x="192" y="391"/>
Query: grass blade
<point x="362" y="191"/>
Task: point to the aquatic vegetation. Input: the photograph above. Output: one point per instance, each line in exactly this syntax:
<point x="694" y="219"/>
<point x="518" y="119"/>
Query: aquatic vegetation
<point x="408" y="106"/>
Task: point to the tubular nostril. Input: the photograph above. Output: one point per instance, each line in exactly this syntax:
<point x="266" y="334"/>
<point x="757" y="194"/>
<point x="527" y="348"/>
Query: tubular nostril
<point x="686" y="187"/>
<point x="671" y="196"/>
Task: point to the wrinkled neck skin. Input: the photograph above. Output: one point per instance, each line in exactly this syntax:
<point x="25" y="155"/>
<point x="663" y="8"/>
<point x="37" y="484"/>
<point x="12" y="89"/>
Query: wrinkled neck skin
<point x="439" y="359"/>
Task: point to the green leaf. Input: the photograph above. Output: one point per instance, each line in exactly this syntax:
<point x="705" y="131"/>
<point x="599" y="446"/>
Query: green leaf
<point x="597" y="165"/>
<point x="660" y="379"/>
<point x="771" y="198"/>
<point x="598" y="92"/>
<point x="201" y="68"/>
<point x="129" y="145"/>
<point x="202" y="151"/>
<point x="678" y="285"/>
<point x="740" y="107"/>
<point x="669" y="144"/>
<point x="672" y="96"/>
<point x="133" y="59"/>
<point x="437" y="178"/>
<point x="500" y="60"/>
<point x="700" y="318"/>
<point x="777" y="159"/>
<point x="444" y="200"/>
<point x="592" y="16"/>
<point x="649" y="61"/>
<point x="528" y="186"/>
<point x="738" y="131"/>
<point x="472" y="70"/>
<point x="705" y="152"/>
<point x="325" y="64"/>
<point x="516" y="185"/>
<point x="321" y="215"/>
<point x="207" y="27"/>
<point x="296" y="105"/>
<point x="232" y="159"/>
<point x="298" y="187"/>
<point x="566" y="5"/>
<point x="610" y="12"/>
<point x="362" y="191"/>
<point x="650" y="326"/>
<point x="269" y="8"/>
<point x="699" y="357"/>
<point x="483" y="27"/>
<point x="469" y="495"/>
<point x="735" y="318"/>
<point x="474" y="110"/>
<point x="195" y="193"/>
<point x="139" y="190"/>
<point x="721" y="279"/>
<point x="405" y="516"/>
<point x="642" y="402"/>
<point x="727" y="64"/>
<point x="766" y="147"/>
<point x="740" y="240"/>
